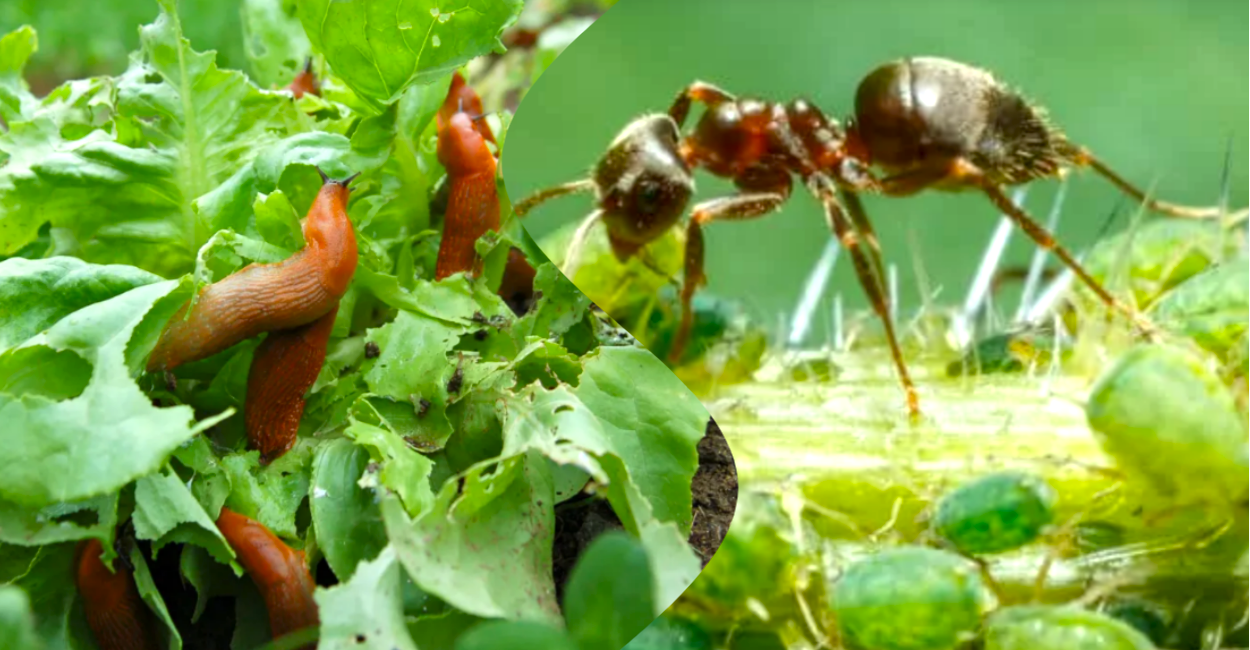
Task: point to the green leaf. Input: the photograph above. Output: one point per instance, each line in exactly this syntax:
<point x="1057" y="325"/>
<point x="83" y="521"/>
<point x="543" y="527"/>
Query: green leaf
<point x="17" y="622"/>
<point x="166" y="512"/>
<point x="109" y="435"/>
<point x="147" y="591"/>
<point x="485" y="545"/>
<point x="413" y="365"/>
<point x="380" y="47"/>
<point x="210" y="120"/>
<point x="366" y="612"/>
<point x="561" y="306"/>
<point x="608" y="599"/>
<point x="402" y="469"/>
<point x="274" y="41"/>
<point x="515" y="635"/>
<point x="654" y="421"/>
<point x="16" y="48"/>
<point x="1212" y="307"/>
<point x="346" y="516"/>
<point x="50" y="584"/>
<point x="34" y="294"/>
<point x="61" y="522"/>
<point x="270" y="495"/>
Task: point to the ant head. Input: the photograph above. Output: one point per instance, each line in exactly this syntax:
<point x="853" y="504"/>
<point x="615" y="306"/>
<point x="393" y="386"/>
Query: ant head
<point x="643" y="183"/>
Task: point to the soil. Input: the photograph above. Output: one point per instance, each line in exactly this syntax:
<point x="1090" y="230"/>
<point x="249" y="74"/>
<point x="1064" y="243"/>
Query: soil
<point x="715" y="496"/>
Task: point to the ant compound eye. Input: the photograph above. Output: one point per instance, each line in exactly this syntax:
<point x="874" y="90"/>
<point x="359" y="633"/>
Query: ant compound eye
<point x="648" y="197"/>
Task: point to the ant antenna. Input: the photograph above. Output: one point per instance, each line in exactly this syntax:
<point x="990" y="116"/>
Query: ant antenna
<point x="520" y="208"/>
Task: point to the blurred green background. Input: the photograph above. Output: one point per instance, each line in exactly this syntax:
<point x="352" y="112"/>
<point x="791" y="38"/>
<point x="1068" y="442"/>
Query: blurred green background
<point x="1158" y="88"/>
<point x="78" y="38"/>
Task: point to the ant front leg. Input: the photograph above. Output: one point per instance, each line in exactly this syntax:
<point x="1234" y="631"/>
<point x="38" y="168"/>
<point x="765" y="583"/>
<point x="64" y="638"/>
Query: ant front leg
<point x="731" y="208"/>
<point x="699" y="91"/>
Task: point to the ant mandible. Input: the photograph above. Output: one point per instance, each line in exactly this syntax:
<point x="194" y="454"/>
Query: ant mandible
<point x="926" y="122"/>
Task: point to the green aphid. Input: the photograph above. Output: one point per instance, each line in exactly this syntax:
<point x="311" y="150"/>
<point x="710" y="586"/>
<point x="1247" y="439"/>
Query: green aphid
<point x="910" y="598"/>
<point x="1042" y="627"/>
<point x="1166" y="419"/>
<point x="1212" y="308"/>
<point x="995" y="513"/>
<point x="1007" y="352"/>
<point x="667" y="633"/>
<point x="1156" y="256"/>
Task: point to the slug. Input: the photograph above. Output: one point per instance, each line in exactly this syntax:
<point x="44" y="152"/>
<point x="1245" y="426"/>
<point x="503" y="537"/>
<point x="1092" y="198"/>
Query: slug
<point x="462" y="99"/>
<point x="305" y="82"/>
<point x="279" y="572"/>
<point x="517" y="287"/>
<point x="117" y="616"/>
<point x="473" y="199"/>
<point x="283" y="368"/>
<point x="267" y="297"/>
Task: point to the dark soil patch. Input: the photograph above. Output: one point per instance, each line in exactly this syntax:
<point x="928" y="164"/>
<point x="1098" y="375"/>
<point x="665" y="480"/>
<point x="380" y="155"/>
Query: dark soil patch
<point x="715" y="491"/>
<point x="715" y="495"/>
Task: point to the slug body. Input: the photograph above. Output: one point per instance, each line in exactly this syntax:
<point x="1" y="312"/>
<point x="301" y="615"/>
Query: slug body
<point x="116" y="614"/>
<point x="267" y="297"/>
<point x="283" y="368"/>
<point x="279" y="572"/>
<point x="473" y="199"/>
<point x="517" y="286"/>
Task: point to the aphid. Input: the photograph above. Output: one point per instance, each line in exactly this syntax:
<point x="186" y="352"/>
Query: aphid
<point x="1044" y="627"/>
<point x="995" y="513"/>
<point x="457" y="377"/>
<point x="117" y="616"/>
<point x="371" y="350"/>
<point x="910" y="598"/>
<point x="423" y="407"/>
<point x="1168" y="421"/>
<point x="280" y="573"/>
<point x="928" y="123"/>
<point x="268" y="297"/>
<point x="305" y="83"/>
<point x="283" y="368"/>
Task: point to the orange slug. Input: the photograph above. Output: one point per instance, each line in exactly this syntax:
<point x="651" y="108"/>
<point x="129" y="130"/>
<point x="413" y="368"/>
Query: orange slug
<point x="280" y="573"/>
<point x="117" y="616"/>
<point x="305" y="82"/>
<point x="462" y="99"/>
<point x="283" y="368"/>
<point x="473" y="200"/>
<point x="267" y="297"/>
<point x="517" y="287"/>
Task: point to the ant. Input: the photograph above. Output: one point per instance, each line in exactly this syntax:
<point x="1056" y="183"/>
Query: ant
<point x="929" y="123"/>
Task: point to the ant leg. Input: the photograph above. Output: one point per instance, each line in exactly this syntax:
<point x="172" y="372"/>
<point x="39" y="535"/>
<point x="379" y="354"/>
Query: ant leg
<point x="855" y="207"/>
<point x="520" y="208"/>
<point x="871" y="285"/>
<point x="730" y="208"/>
<point x="699" y="91"/>
<point x="573" y="254"/>
<point x="1084" y="158"/>
<point x="1038" y="234"/>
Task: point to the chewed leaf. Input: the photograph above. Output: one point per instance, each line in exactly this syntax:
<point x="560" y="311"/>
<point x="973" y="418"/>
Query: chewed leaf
<point x="34" y="294"/>
<point x="367" y="611"/>
<point x="104" y="438"/>
<point x="380" y="47"/>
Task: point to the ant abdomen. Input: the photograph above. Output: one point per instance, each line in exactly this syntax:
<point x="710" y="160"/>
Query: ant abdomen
<point x="925" y="112"/>
<point x="643" y="183"/>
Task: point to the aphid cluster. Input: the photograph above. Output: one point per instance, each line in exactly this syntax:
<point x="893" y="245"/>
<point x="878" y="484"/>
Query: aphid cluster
<point x="927" y="123"/>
